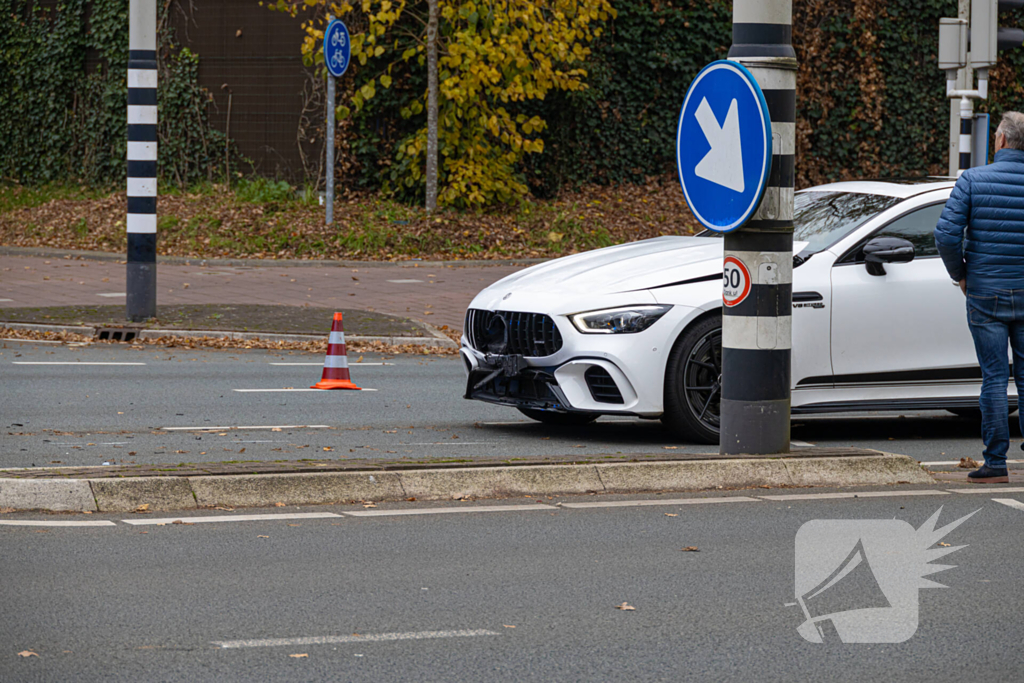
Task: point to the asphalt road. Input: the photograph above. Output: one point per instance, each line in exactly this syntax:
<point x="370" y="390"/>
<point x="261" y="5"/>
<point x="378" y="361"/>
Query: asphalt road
<point x="151" y="405"/>
<point x="525" y="595"/>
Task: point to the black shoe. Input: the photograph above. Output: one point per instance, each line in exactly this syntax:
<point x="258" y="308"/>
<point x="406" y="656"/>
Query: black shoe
<point x="987" y="475"/>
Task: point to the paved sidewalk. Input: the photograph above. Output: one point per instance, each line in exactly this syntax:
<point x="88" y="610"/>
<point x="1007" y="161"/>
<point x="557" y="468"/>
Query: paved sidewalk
<point x="432" y="293"/>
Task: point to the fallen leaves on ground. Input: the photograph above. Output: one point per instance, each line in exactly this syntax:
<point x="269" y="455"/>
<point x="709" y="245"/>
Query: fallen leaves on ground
<point x="626" y="607"/>
<point x="215" y="224"/>
<point x="299" y="656"/>
<point x="27" y="653"/>
<point x="142" y="508"/>
<point x="969" y="464"/>
<point x="179" y="521"/>
<point x="279" y="505"/>
<point x="671" y="514"/>
<point x="263" y="537"/>
<point x="690" y="549"/>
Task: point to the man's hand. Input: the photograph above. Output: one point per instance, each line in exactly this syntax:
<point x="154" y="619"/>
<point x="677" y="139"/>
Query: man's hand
<point x="963" y="286"/>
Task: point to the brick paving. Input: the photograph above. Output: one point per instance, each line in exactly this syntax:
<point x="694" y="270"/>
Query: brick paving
<point x="432" y="293"/>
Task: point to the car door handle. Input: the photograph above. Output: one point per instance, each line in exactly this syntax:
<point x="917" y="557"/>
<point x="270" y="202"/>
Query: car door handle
<point x="803" y="297"/>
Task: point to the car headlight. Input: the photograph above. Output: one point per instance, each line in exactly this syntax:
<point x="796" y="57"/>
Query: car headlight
<point x="623" y="320"/>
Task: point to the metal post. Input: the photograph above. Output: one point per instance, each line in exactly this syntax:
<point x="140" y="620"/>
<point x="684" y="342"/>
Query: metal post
<point x="756" y="340"/>
<point x="964" y="80"/>
<point x="330" y="143"/>
<point x="966" y="128"/>
<point x="140" y="283"/>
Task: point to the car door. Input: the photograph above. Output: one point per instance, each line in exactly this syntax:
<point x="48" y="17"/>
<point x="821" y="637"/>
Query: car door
<point x="903" y="334"/>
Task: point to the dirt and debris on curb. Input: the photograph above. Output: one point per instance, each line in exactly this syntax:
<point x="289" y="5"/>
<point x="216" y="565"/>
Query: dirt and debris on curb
<point x="320" y="346"/>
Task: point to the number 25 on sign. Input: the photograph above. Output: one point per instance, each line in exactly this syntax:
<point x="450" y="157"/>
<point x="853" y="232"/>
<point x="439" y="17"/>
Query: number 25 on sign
<point x="735" y="281"/>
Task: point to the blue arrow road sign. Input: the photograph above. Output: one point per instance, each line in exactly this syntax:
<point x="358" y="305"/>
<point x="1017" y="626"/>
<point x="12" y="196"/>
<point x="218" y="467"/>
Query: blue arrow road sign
<point x="337" y="47"/>
<point x="724" y="146"/>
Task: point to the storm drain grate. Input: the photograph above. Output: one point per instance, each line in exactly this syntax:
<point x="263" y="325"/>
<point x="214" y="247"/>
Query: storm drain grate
<point x="116" y="334"/>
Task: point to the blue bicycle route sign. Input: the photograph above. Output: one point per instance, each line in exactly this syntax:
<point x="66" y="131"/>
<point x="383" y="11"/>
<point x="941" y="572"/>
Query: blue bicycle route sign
<point x="337" y="47"/>
<point x="724" y="146"/>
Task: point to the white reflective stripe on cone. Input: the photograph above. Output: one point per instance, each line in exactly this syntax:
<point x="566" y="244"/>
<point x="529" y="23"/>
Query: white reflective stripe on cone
<point x="336" y="338"/>
<point x="336" y="362"/>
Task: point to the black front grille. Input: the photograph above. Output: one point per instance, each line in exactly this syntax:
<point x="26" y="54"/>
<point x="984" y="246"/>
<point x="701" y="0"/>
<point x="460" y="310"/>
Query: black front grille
<point x="527" y="334"/>
<point x="602" y="386"/>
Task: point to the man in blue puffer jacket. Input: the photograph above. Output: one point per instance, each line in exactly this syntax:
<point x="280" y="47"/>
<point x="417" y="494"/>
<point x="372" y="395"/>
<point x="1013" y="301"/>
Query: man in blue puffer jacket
<point x="980" y="237"/>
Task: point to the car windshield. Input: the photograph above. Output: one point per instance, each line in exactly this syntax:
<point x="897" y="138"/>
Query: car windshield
<point x="823" y="218"/>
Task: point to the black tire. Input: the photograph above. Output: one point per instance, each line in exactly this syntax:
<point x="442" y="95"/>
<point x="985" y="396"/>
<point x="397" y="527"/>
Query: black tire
<point x="693" y="383"/>
<point x="550" y="417"/>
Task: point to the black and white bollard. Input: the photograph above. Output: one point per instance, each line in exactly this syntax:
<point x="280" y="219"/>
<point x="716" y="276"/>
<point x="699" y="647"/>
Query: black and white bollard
<point x="142" y="155"/>
<point x="757" y="333"/>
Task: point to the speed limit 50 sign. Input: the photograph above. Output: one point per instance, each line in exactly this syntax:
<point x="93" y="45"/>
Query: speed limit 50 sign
<point x="735" y="281"/>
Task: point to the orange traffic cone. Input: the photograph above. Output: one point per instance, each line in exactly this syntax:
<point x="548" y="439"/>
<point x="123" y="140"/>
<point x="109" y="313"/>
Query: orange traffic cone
<point x="336" y="363"/>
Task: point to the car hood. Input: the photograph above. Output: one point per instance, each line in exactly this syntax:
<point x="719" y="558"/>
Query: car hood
<point x="624" y="267"/>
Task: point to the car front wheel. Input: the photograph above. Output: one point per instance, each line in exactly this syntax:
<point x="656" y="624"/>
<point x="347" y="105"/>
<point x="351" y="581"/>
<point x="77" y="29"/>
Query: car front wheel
<point x="693" y="383"/>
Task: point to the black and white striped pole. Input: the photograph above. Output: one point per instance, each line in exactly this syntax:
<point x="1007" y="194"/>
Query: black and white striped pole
<point x="142" y="150"/>
<point x="757" y="335"/>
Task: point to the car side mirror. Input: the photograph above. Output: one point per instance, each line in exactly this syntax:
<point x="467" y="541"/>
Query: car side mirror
<point x="882" y="250"/>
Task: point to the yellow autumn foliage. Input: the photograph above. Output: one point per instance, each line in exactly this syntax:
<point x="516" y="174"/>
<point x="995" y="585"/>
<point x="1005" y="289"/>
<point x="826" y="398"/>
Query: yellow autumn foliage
<point x="491" y="56"/>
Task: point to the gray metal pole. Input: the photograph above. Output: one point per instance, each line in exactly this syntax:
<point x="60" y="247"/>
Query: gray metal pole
<point x="756" y="340"/>
<point x="140" y="284"/>
<point x="964" y="81"/>
<point x="330" y="142"/>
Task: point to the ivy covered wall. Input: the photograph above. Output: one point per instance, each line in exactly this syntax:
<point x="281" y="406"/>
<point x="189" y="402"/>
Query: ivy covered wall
<point x="64" y="94"/>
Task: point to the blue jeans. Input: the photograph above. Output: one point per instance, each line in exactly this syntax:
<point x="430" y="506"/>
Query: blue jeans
<point x="996" y="316"/>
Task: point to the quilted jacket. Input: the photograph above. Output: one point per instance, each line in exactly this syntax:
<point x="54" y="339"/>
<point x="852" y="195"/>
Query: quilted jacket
<point x="980" y="233"/>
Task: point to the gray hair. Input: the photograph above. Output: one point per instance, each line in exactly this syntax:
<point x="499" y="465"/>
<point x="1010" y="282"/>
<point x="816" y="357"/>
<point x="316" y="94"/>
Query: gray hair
<point x="1012" y="128"/>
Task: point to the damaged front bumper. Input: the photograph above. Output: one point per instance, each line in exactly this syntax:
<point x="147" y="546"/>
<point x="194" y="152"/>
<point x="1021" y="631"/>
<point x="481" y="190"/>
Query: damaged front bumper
<point x="508" y="380"/>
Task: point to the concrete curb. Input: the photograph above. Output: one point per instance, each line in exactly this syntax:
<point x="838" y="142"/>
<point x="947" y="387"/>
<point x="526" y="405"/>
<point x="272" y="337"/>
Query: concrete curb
<point x="438" y="340"/>
<point x="178" y="493"/>
<point x="43" y="252"/>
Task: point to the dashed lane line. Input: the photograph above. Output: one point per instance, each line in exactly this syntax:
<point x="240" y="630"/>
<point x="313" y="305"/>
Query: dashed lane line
<point x="232" y="518"/>
<point x="224" y="429"/>
<point x="68" y="362"/>
<point x="256" y="391"/>
<point x="946" y="463"/>
<point x="1010" y="502"/>
<point x="354" y="638"/>
<point x="441" y="511"/>
<point x="319" y="365"/>
<point x="35" y="522"/>
<point x="855" y="494"/>
<point x="672" y="501"/>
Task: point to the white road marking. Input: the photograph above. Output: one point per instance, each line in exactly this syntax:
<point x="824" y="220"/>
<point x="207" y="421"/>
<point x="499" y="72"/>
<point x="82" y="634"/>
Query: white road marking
<point x="73" y="443"/>
<point x="31" y="522"/>
<point x="954" y="462"/>
<point x="367" y="638"/>
<point x="441" y="511"/>
<point x="254" y="391"/>
<point x="405" y="282"/>
<point x="801" y="444"/>
<point x="112" y="295"/>
<point x="223" y="429"/>
<point x="451" y="443"/>
<point x="321" y="364"/>
<point x="671" y="501"/>
<point x="6" y="300"/>
<point x="990" y="489"/>
<point x="68" y="362"/>
<point x="231" y="518"/>
<point x="855" y="494"/>
<point x="1010" y="502"/>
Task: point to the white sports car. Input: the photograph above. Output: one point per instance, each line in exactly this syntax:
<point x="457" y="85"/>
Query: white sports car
<point x="636" y="328"/>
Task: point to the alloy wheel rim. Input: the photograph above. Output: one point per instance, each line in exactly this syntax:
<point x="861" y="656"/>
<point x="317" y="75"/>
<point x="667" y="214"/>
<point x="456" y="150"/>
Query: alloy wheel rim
<point x="702" y="380"/>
